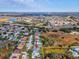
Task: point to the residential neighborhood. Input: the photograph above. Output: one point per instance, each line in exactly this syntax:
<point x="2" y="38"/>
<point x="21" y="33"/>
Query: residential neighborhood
<point x="39" y="37"/>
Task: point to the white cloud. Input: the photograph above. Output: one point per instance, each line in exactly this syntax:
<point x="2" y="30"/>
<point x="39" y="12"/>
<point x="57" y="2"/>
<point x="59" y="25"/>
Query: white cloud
<point x="32" y="4"/>
<point x="29" y="3"/>
<point x="24" y="1"/>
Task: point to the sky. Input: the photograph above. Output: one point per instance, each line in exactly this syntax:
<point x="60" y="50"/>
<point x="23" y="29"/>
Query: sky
<point x="39" y="5"/>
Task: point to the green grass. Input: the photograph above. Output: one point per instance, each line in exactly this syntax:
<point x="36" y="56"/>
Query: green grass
<point x="24" y="48"/>
<point x="42" y="52"/>
<point x="30" y="54"/>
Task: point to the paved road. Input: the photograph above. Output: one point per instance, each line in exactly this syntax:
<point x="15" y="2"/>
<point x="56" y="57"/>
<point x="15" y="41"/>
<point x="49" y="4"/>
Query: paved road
<point x="37" y="47"/>
<point x="18" y="51"/>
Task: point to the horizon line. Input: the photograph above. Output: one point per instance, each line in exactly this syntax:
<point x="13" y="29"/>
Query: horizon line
<point x="38" y="12"/>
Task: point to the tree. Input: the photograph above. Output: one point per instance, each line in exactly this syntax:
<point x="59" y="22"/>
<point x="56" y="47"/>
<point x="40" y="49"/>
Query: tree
<point x="65" y="30"/>
<point x="5" y="57"/>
